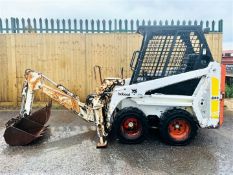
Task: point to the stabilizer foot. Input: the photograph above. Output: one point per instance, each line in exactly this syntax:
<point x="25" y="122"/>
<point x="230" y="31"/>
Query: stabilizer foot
<point x="102" y="145"/>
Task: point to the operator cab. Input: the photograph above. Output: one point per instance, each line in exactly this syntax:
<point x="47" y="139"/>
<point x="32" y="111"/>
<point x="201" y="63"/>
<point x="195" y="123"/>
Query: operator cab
<point x="167" y="51"/>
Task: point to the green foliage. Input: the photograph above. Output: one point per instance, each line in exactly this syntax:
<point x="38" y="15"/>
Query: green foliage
<point x="229" y="91"/>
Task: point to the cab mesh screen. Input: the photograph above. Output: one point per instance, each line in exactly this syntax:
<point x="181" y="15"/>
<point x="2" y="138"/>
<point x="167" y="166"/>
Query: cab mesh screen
<point x="168" y="54"/>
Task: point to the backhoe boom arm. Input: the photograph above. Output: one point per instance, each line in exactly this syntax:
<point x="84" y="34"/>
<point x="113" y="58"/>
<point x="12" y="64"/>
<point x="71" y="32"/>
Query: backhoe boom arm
<point x="36" y="81"/>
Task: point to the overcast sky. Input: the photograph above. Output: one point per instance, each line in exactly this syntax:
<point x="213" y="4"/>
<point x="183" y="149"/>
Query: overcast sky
<point x="125" y="9"/>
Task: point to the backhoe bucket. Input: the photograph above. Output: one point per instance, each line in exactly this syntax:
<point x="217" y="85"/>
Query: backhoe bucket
<point x="23" y="130"/>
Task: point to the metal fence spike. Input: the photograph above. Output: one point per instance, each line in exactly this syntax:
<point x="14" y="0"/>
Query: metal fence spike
<point x="75" y="25"/>
<point x="81" y="26"/>
<point x="110" y="25"/>
<point x="44" y="25"/>
<point x="69" y="25"/>
<point x="92" y="26"/>
<point x="52" y="25"/>
<point x="126" y="25"/>
<point x="23" y="25"/>
<point x="104" y="26"/>
<point x="1" y="29"/>
<point x="34" y="25"/>
<point x="86" y="26"/>
<point x="98" y="26"/>
<point x="58" y="25"/>
<point x="131" y="25"/>
<point x="63" y="26"/>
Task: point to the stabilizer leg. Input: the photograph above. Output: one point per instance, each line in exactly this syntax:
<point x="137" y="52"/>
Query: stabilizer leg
<point x="100" y="129"/>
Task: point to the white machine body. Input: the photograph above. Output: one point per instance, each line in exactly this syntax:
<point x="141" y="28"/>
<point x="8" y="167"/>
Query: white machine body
<point x="204" y="103"/>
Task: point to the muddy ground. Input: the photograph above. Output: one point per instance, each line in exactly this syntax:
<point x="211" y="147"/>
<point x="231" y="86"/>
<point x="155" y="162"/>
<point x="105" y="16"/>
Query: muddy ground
<point x="70" y="148"/>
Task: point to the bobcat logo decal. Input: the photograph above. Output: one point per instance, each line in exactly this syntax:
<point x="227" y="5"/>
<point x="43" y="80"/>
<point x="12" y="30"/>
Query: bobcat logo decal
<point x="134" y="91"/>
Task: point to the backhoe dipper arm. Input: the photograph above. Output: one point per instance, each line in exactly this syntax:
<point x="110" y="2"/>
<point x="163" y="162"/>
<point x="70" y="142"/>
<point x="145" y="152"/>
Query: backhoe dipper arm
<point x="36" y="81"/>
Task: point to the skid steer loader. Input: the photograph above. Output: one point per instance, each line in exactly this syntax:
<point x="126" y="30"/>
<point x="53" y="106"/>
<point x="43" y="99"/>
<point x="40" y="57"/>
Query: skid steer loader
<point x="175" y="82"/>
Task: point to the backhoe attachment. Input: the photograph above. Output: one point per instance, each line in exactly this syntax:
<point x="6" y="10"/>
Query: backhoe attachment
<point x="28" y="126"/>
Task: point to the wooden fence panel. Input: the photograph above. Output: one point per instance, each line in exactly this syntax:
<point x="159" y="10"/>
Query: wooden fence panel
<point x="112" y="52"/>
<point x="8" y="93"/>
<point x="60" y="57"/>
<point x="4" y="69"/>
<point x="133" y="44"/>
<point x="105" y="51"/>
<point x="69" y="59"/>
<point x="214" y="41"/>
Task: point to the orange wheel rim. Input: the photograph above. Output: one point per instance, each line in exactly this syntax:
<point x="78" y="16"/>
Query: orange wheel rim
<point x="179" y="129"/>
<point x="131" y="128"/>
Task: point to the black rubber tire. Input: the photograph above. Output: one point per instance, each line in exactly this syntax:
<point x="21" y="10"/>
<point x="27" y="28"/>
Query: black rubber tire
<point x="129" y="113"/>
<point x="167" y="119"/>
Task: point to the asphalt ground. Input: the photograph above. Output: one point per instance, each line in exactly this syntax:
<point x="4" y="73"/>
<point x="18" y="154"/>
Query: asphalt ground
<point x="69" y="147"/>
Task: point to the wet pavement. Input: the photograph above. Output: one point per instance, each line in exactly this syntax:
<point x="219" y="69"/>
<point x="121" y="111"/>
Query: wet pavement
<point x="70" y="148"/>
